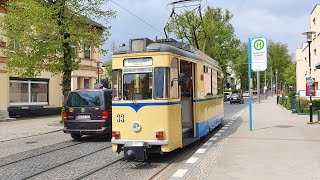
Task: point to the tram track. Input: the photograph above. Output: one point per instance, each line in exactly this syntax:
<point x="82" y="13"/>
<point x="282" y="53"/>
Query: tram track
<point x="67" y="162"/>
<point x="39" y="154"/>
<point x="98" y="169"/>
<point x="50" y="132"/>
<point x="49" y="151"/>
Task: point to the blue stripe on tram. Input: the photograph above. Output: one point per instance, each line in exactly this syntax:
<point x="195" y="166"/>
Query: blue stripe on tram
<point x="204" y="127"/>
<point x="138" y="106"/>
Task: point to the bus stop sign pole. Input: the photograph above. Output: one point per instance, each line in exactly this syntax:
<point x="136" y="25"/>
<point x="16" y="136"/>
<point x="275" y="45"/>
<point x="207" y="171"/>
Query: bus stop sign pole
<point x="249" y="88"/>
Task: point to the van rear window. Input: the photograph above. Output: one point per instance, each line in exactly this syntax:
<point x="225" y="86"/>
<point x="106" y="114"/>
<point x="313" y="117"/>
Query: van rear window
<point x="84" y="98"/>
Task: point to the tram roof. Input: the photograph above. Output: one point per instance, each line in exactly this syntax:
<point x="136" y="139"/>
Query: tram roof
<point x="168" y="45"/>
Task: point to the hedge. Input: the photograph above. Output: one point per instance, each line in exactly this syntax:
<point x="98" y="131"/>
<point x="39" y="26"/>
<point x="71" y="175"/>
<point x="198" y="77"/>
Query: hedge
<point x="304" y="105"/>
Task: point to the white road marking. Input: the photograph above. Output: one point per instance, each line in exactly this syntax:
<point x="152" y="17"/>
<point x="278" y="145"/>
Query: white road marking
<point x="224" y="128"/>
<point x="217" y="134"/>
<point x="213" y="138"/>
<point x="192" y="160"/>
<point x="227" y="125"/>
<point x="221" y="131"/>
<point x="180" y="173"/>
<point x="208" y="144"/>
<point x="200" y="151"/>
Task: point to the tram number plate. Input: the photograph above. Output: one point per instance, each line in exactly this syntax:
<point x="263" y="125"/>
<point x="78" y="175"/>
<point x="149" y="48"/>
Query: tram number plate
<point x="139" y="143"/>
<point x="120" y="118"/>
<point x="79" y="117"/>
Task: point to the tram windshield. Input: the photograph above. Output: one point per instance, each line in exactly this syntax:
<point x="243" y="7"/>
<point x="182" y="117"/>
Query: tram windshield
<point x="137" y="86"/>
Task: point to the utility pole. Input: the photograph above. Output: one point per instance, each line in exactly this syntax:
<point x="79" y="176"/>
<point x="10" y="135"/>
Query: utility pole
<point x="258" y="85"/>
<point x="265" y="84"/>
<point x="277" y="86"/>
<point x="271" y="84"/>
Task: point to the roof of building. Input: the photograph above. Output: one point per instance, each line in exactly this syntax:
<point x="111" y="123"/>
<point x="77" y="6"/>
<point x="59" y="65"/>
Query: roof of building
<point x="314" y="8"/>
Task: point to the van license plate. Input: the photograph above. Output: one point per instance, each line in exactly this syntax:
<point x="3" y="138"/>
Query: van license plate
<point x="79" y="117"/>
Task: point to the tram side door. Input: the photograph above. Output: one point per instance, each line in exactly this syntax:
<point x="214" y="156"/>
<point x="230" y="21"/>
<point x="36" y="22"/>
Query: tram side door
<point x="186" y="98"/>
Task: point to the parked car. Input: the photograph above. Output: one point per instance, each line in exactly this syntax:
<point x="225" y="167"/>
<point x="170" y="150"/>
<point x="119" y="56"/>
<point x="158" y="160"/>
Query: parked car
<point x="88" y="112"/>
<point x="227" y="95"/>
<point x="245" y="94"/>
<point x="236" y="98"/>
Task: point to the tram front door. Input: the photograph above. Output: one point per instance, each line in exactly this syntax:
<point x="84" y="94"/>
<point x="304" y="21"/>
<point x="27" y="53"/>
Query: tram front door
<point x="186" y="99"/>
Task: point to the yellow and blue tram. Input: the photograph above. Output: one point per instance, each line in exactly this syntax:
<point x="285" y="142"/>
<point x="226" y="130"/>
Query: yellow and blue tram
<point x="166" y="95"/>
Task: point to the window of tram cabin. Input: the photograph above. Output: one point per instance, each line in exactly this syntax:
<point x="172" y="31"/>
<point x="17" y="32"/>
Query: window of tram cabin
<point x="117" y="84"/>
<point x="174" y="75"/>
<point x="161" y="82"/>
<point x="137" y="86"/>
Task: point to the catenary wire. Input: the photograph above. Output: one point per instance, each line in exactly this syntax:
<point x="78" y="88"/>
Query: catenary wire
<point x="137" y="17"/>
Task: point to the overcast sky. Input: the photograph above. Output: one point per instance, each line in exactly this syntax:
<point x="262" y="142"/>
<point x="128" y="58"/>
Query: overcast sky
<point x="279" y="20"/>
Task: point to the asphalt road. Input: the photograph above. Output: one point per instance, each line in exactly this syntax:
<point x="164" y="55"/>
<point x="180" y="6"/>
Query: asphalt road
<point x="91" y="158"/>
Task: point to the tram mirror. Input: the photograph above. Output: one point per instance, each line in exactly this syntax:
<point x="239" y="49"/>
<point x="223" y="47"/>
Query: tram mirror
<point x="180" y="80"/>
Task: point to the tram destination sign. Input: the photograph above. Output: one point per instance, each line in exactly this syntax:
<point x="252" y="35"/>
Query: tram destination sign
<point x="137" y="62"/>
<point x="259" y="54"/>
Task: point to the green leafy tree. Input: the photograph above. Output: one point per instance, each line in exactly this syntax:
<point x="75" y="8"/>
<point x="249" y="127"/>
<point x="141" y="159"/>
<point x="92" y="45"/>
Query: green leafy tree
<point x="278" y="58"/>
<point x="108" y="68"/>
<point x="45" y="32"/>
<point x="240" y="66"/>
<point x="290" y="74"/>
<point x="213" y="33"/>
<point x="108" y="64"/>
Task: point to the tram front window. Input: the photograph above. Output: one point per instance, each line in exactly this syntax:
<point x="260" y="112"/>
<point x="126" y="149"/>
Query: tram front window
<point x="137" y="86"/>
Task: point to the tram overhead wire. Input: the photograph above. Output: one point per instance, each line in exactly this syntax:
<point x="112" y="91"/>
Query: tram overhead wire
<point x="137" y="17"/>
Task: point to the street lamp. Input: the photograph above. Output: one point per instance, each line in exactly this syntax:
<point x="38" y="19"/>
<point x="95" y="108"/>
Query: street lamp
<point x="98" y="67"/>
<point x="309" y="40"/>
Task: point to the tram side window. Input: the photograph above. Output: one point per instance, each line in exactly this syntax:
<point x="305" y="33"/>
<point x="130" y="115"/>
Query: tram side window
<point x="174" y="74"/>
<point x="207" y="81"/>
<point x="214" y="82"/>
<point x="220" y="84"/>
<point x="161" y="81"/>
<point x="117" y="84"/>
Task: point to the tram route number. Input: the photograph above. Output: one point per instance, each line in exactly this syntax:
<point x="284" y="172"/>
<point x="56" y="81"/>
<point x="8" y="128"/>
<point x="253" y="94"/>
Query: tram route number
<point x="120" y="118"/>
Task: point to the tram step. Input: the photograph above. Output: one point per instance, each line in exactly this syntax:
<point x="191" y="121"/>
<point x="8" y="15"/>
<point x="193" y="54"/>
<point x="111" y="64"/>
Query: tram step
<point x="186" y="142"/>
<point x="187" y="132"/>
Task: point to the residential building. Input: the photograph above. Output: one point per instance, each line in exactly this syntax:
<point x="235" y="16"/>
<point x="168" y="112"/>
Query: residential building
<point x="302" y="54"/>
<point x="43" y="95"/>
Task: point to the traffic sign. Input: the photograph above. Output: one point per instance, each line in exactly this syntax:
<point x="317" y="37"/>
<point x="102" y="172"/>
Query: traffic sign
<point x="259" y="54"/>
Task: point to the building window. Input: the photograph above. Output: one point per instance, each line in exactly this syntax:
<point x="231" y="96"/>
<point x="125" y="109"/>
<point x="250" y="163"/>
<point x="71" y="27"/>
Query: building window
<point x="27" y="92"/>
<point x="87" y="52"/>
<point x="86" y="83"/>
<point x="314" y="21"/>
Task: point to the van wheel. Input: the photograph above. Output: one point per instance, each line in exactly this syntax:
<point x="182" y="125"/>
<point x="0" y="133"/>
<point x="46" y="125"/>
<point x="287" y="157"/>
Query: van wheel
<point x="76" y="137"/>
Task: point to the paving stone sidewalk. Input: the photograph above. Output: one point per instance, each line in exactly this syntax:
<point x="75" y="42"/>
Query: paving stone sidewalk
<point x="281" y="146"/>
<point x="29" y="127"/>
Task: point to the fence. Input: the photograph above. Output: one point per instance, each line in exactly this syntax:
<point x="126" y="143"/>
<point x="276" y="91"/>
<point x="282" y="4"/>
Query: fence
<point x="299" y="105"/>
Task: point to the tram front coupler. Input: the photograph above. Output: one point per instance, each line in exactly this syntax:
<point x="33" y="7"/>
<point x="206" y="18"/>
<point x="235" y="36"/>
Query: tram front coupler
<point x="135" y="151"/>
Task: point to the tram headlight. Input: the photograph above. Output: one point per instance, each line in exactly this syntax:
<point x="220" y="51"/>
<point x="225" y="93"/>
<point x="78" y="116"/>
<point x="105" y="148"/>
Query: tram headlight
<point x="136" y="126"/>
